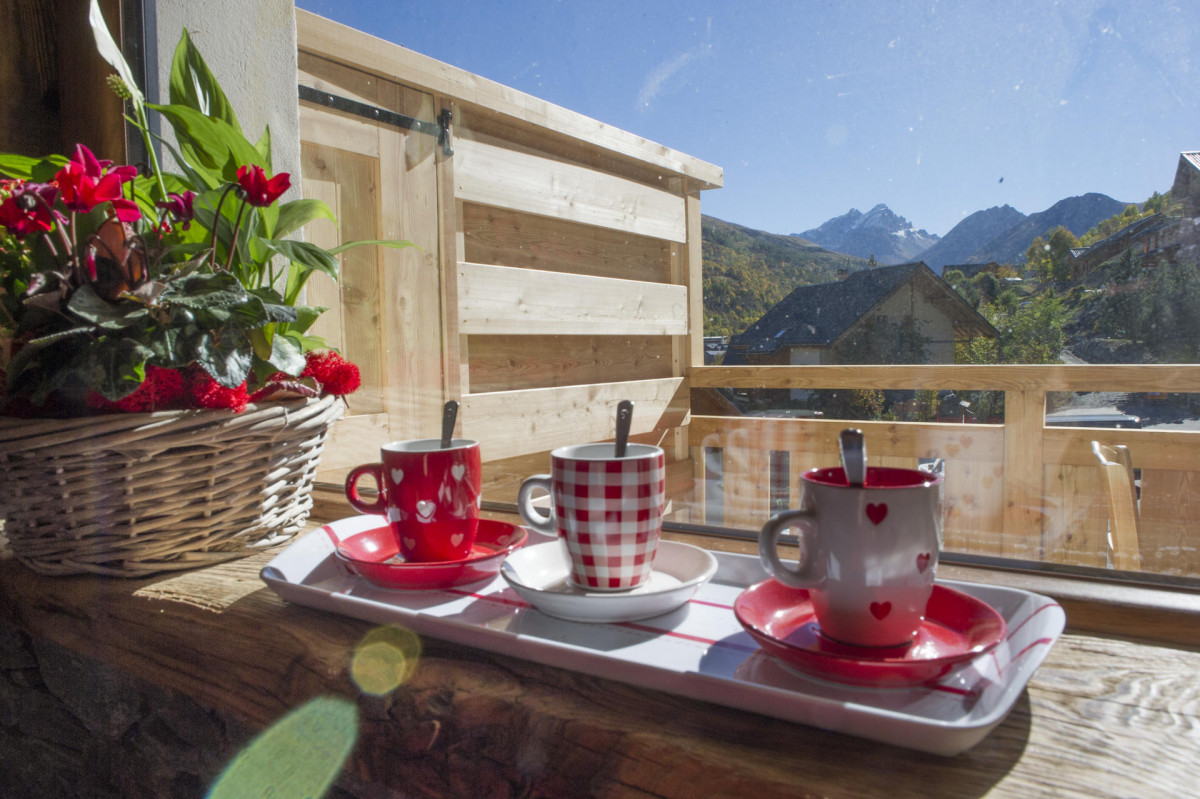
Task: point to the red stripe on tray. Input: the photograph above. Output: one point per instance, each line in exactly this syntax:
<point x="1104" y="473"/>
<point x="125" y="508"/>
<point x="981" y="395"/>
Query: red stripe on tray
<point x="1013" y="631"/>
<point x="644" y="628"/>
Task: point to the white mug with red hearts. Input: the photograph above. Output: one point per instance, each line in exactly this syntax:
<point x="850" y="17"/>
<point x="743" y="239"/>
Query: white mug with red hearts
<point x="868" y="553"/>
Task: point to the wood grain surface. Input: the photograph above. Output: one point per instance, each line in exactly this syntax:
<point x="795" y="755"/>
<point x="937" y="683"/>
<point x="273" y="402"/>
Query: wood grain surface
<point x="1103" y="716"/>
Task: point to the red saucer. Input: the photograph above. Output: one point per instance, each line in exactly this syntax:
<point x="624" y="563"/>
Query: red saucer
<point x="957" y="628"/>
<point x="373" y="554"/>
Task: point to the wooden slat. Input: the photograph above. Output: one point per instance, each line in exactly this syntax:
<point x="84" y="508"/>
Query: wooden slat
<point x="693" y="254"/>
<point x="328" y="128"/>
<point x="1162" y="449"/>
<point x="1076" y="525"/>
<point x="352" y="440"/>
<point x="318" y="167"/>
<point x="973" y="506"/>
<point x="1109" y="377"/>
<point x="1024" y="412"/>
<point x="412" y="311"/>
<point x="496" y="176"/>
<point x="510" y="238"/>
<point x="512" y="423"/>
<point x="342" y="44"/>
<point x="504" y="363"/>
<point x="502" y="299"/>
<point x="1170" y="522"/>
<point x="898" y="439"/>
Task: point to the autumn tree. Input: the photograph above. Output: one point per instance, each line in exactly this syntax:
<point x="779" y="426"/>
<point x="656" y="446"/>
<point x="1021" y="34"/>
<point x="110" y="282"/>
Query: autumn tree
<point x="1059" y="247"/>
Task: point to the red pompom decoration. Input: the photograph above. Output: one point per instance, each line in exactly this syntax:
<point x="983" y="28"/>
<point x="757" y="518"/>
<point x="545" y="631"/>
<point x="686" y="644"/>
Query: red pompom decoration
<point x="208" y="393"/>
<point x="162" y="388"/>
<point x="335" y="374"/>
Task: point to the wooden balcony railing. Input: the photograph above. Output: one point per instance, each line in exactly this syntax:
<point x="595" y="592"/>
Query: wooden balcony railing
<point x="1020" y="489"/>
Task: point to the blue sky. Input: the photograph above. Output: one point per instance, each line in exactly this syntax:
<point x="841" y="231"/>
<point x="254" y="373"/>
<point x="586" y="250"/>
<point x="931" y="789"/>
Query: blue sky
<point x="936" y="108"/>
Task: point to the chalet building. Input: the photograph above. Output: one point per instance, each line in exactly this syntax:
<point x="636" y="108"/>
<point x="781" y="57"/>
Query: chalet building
<point x="1160" y="238"/>
<point x="1154" y="240"/>
<point x="811" y="325"/>
<point x="1186" y="191"/>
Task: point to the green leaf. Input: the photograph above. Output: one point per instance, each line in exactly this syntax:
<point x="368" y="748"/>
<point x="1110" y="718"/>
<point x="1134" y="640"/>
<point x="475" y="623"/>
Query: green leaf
<point x="192" y="84"/>
<point x="264" y="144"/>
<point x="227" y="359"/>
<point x="27" y="356"/>
<point x="298" y="213"/>
<point x="90" y="307"/>
<point x="213" y="143"/>
<point x="306" y="315"/>
<point x="395" y="244"/>
<point x="115" y="367"/>
<point x="306" y="254"/>
<point x="24" y="167"/>
<point x="287" y="355"/>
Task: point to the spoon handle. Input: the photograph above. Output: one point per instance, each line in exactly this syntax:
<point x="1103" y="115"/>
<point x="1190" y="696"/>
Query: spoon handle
<point x="624" y="420"/>
<point x="449" y="414"/>
<point x="854" y="456"/>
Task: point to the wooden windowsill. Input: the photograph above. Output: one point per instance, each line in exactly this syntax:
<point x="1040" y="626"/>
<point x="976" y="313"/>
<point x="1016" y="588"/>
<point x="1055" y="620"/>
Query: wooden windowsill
<point x="1094" y="721"/>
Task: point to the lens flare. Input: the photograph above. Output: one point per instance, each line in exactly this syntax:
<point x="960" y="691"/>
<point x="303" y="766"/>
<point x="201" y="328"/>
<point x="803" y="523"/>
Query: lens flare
<point x="385" y="659"/>
<point x="299" y="755"/>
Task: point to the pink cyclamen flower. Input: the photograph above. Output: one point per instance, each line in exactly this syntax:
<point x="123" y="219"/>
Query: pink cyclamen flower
<point x="258" y="190"/>
<point x="86" y="181"/>
<point x="29" y="209"/>
<point x="180" y="207"/>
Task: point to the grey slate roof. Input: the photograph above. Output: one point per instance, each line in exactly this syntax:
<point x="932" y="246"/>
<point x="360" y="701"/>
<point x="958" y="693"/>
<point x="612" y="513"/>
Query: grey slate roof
<point x="816" y="315"/>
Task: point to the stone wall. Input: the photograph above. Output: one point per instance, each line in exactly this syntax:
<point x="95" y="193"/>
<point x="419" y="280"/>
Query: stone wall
<point x="71" y="726"/>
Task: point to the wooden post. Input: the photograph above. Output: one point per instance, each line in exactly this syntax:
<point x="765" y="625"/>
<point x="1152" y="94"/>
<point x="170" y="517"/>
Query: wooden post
<point x="1024" y="418"/>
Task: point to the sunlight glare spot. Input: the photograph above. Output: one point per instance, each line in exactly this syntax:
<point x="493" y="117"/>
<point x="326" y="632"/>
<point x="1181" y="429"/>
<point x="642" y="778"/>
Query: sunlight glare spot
<point x="385" y="659"/>
<point x="299" y="755"/>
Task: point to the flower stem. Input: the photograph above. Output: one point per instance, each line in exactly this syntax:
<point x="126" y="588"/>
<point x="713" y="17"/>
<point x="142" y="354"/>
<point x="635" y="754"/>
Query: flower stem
<point x="217" y="223"/>
<point x="237" y="228"/>
<point x="144" y="127"/>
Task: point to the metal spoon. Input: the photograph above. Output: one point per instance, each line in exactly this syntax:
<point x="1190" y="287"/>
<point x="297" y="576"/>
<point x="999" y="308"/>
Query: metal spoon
<point x="624" y="420"/>
<point x="854" y="456"/>
<point x="449" y="414"/>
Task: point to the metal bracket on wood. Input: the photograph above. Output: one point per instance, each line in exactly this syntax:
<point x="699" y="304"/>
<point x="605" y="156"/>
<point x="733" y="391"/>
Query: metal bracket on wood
<point x="444" y="119"/>
<point x="440" y="129"/>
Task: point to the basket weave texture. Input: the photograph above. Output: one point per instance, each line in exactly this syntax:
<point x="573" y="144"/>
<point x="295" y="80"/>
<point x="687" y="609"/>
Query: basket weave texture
<point x="129" y="495"/>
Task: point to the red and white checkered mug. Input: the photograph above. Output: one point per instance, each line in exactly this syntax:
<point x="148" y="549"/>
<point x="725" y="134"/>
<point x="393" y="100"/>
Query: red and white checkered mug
<point x="608" y="511"/>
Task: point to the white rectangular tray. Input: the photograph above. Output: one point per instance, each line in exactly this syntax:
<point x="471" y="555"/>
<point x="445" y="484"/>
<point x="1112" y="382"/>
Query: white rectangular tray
<point x="700" y="650"/>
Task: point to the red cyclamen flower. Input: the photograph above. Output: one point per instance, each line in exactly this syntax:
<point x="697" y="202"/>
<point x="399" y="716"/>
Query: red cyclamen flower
<point x="180" y="207"/>
<point x="29" y="209"/>
<point x="86" y="182"/>
<point x="258" y="190"/>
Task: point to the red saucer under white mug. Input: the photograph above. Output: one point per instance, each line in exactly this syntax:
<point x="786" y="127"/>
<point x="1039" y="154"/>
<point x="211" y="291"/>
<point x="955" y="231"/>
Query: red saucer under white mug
<point x="957" y="628"/>
<point x="370" y="550"/>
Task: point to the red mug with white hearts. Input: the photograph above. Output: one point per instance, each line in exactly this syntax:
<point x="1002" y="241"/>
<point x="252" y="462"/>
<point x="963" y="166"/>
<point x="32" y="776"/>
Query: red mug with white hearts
<point x="607" y="510"/>
<point x="868" y="553"/>
<point x="430" y="496"/>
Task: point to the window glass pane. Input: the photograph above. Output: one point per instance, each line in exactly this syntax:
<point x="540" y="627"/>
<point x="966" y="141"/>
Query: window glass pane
<point x="957" y="200"/>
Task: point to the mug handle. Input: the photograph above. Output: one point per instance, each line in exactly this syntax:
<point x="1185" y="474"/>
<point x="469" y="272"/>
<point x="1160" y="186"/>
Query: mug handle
<point x="806" y="572"/>
<point x="543" y="523"/>
<point x="379" y="507"/>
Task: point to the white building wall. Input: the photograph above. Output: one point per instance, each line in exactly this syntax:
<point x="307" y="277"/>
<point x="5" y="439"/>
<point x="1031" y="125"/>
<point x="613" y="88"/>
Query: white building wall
<point x="250" y="45"/>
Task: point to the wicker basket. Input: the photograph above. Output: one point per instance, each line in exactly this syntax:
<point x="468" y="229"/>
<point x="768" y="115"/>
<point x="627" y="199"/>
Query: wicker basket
<point x="133" y="494"/>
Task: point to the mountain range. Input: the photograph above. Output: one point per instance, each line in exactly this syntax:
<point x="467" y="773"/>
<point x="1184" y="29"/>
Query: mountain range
<point x="999" y="234"/>
<point x="879" y="233"/>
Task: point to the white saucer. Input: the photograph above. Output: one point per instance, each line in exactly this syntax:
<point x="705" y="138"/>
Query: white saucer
<point x="539" y="574"/>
